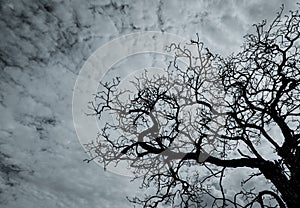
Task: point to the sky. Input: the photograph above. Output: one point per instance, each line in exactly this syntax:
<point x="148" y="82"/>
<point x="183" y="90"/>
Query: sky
<point x="44" y="45"/>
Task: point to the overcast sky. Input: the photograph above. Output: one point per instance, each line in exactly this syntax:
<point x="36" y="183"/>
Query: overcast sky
<point x="43" y="46"/>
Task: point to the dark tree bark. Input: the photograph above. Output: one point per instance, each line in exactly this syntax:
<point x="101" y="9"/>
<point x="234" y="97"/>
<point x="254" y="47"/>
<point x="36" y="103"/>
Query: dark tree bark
<point x="186" y="131"/>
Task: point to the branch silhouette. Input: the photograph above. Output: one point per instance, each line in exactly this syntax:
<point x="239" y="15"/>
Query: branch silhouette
<point x="187" y="131"/>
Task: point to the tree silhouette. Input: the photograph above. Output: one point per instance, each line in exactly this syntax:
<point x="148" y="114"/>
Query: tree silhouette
<point x="196" y="131"/>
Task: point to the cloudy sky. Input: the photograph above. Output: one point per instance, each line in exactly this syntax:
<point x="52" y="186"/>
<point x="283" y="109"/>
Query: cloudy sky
<point x="44" y="45"/>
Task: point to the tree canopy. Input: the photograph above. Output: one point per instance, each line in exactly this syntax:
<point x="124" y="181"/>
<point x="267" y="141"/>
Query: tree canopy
<point x="202" y="127"/>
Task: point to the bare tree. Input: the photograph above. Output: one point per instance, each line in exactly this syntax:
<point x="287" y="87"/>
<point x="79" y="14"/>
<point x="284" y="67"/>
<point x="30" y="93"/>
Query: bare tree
<point x="199" y="128"/>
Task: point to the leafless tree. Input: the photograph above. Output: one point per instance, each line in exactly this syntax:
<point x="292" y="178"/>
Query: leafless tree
<point x="203" y="126"/>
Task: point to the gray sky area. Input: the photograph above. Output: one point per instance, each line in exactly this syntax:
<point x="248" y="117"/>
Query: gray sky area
<point x="43" y="46"/>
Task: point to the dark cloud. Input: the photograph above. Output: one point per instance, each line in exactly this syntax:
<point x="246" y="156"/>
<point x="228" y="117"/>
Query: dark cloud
<point x="43" y="46"/>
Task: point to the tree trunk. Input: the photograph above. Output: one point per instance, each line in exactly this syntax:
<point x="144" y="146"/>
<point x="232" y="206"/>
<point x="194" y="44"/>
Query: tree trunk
<point x="289" y="191"/>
